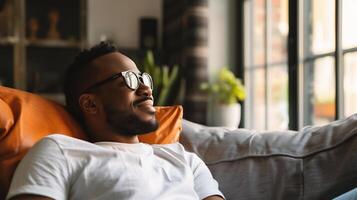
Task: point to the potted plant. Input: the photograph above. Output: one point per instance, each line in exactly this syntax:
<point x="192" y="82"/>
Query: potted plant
<point x="226" y="91"/>
<point x="168" y="83"/>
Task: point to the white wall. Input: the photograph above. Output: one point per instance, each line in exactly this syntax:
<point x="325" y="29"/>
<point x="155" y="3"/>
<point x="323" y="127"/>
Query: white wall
<point x="118" y="20"/>
<point x="222" y="31"/>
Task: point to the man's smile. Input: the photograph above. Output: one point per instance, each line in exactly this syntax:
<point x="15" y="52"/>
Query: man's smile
<point x="146" y="104"/>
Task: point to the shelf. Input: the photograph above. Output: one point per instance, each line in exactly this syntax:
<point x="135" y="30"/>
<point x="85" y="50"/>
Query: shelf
<point x="32" y="58"/>
<point x="10" y="40"/>
<point x="54" y="43"/>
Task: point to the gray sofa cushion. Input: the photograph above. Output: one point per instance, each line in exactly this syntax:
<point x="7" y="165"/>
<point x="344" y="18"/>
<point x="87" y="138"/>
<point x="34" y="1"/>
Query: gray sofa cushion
<point x="314" y="163"/>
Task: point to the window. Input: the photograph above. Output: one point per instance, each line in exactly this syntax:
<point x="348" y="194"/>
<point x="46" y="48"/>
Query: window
<point x="319" y="73"/>
<point x="266" y="75"/>
<point x="326" y="62"/>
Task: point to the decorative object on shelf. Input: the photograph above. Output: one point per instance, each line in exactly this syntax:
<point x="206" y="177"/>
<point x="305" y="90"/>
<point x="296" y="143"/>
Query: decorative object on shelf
<point x="168" y="84"/>
<point x="33" y="26"/>
<point x="225" y="93"/>
<point x="53" y="19"/>
<point x="38" y="39"/>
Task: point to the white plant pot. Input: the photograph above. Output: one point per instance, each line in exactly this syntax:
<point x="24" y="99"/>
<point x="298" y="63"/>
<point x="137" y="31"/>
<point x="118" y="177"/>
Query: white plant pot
<point x="224" y="115"/>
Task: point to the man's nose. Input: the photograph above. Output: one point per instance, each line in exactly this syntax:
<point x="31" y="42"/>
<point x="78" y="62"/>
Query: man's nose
<point x="144" y="90"/>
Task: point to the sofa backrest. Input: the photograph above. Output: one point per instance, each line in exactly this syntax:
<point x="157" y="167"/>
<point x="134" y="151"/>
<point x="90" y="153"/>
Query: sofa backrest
<point x="318" y="162"/>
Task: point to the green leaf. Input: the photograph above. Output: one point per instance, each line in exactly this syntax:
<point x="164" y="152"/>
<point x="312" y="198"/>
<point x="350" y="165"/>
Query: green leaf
<point x="226" y="88"/>
<point x="164" y="79"/>
<point x="165" y="75"/>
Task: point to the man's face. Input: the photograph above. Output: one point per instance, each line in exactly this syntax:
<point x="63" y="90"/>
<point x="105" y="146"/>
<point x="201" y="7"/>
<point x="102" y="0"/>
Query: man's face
<point x="128" y="112"/>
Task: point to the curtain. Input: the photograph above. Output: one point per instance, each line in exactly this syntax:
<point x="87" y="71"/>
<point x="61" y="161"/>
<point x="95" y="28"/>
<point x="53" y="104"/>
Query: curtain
<point x="185" y="42"/>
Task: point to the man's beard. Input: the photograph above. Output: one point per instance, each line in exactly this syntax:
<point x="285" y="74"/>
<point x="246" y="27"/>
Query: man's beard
<point x="129" y="124"/>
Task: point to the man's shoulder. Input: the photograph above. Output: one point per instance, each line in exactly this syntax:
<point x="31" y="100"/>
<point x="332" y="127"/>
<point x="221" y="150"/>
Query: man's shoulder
<point x="58" y="136"/>
<point x="65" y="138"/>
<point x="61" y="140"/>
<point x="174" y="147"/>
<point x="176" y="151"/>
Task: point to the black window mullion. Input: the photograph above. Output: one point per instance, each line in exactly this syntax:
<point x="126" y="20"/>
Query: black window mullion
<point x="339" y="68"/>
<point x="293" y="63"/>
<point x="313" y="57"/>
<point x="350" y="50"/>
<point x="240" y="50"/>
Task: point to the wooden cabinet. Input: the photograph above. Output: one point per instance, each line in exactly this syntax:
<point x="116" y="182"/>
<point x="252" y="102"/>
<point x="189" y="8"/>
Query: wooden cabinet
<point x="38" y="40"/>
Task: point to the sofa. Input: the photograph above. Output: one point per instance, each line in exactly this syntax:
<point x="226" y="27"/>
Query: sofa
<point x="318" y="162"/>
<point x="314" y="163"/>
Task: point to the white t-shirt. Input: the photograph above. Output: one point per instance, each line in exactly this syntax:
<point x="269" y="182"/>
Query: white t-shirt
<point x="62" y="167"/>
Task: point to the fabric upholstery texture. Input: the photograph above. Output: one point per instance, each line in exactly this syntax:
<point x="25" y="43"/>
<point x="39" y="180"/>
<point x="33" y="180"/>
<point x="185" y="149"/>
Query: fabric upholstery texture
<point x="314" y="163"/>
<point x="25" y="118"/>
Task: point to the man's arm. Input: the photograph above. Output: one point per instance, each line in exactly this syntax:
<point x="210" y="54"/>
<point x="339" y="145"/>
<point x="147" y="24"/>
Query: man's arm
<point x="214" y="197"/>
<point x="43" y="172"/>
<point x="204" y="183"/>
<point x="30" y="197"/>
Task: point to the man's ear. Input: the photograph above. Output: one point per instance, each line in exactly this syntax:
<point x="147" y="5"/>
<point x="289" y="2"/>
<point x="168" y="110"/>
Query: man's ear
<point x="87" y="103"/>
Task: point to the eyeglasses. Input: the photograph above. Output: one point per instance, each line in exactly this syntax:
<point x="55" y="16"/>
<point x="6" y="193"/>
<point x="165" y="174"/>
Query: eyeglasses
<point x="132" y="80"/>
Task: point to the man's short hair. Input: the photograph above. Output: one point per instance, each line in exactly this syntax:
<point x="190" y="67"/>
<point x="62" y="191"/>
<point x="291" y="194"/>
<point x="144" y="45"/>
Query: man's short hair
<point x="74" y="76"/>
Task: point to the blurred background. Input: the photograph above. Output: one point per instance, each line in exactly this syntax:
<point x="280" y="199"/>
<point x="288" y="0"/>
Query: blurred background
<point x="297" y="59"/>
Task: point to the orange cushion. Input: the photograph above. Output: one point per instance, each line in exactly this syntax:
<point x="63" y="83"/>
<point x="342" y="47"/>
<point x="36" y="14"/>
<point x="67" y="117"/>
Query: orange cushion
<point x="25" y="118"/>
<point x="170" y="120"/>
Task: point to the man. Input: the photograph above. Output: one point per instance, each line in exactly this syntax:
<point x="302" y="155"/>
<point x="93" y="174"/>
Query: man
<point x="113" y="101"/>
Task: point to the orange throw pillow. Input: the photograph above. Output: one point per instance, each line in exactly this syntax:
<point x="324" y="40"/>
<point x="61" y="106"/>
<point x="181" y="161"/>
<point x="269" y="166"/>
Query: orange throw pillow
<point x="25" y="118"/>
<point x="170" y="120"/>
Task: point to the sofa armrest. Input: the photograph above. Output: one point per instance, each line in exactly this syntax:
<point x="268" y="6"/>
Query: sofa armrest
<point x="316" y="162"/>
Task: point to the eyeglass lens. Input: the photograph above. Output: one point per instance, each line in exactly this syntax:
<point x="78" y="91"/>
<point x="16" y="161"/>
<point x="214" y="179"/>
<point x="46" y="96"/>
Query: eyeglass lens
<point x="147" y="80"/>
<point x="132" y="80"/>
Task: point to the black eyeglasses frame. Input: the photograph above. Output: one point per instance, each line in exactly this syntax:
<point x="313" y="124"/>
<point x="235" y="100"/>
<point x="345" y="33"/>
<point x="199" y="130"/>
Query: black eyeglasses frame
<point x="122" y="74"/>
